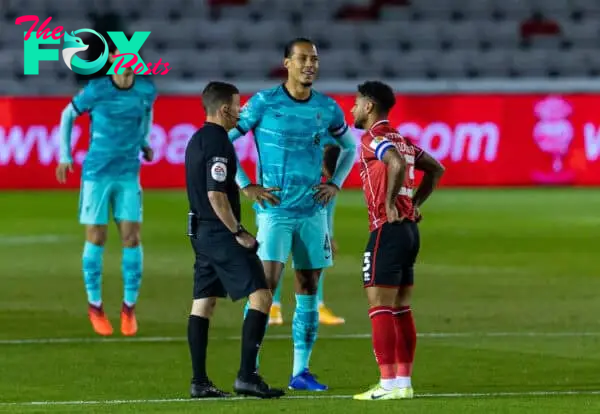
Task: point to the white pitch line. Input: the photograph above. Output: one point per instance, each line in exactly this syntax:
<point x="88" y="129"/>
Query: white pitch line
<point x="11" y="240"/>
<point x="151" y="339"/>
<point x="300" y="397"/>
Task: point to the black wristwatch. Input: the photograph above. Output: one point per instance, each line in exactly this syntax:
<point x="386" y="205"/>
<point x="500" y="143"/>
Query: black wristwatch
<point x="239" y="231"/>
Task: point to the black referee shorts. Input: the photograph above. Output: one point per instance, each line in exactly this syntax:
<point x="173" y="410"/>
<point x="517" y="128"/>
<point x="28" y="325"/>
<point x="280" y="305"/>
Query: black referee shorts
<point x="223" y="267"/>
<point x="391" y="254"/>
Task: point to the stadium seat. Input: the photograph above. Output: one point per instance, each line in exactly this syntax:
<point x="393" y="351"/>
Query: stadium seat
<point x="494" y="63"/>
<point x="395" y="14"/>
<point x="529" y="63"/>
<point x="571" y="63"/>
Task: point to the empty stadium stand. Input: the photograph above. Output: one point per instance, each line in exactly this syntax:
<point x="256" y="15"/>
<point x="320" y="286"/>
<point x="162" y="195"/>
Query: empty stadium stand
<point x="401" y="39"/>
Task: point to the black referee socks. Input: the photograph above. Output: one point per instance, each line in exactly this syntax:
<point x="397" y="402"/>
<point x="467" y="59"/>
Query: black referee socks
<point x="253" y="332"/>
<point x="198" y="342"/>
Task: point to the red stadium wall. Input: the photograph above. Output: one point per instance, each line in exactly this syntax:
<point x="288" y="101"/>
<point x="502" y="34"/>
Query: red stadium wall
<point x="483" y="140"/>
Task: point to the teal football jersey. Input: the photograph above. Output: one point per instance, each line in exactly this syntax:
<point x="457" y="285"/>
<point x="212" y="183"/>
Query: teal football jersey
<point x="118" y="124"/>
<point x="290" y="135"/>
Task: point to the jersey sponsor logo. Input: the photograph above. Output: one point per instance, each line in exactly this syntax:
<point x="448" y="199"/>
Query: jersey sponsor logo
<point x="218" y="172"/>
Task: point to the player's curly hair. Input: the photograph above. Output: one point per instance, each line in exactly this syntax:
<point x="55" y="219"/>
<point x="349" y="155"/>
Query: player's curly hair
<point x="380" y="93"/>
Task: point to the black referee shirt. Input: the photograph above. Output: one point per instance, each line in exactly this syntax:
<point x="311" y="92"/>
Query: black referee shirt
<point x="211" y="165"/>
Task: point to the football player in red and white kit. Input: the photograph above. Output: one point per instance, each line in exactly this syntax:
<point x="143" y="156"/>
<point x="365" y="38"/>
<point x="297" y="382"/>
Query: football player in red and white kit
<point x="387" y="170"/>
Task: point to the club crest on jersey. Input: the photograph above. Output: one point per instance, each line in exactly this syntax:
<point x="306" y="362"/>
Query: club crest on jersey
<point x="376" y="141"/>
<point x="317" y="140"/>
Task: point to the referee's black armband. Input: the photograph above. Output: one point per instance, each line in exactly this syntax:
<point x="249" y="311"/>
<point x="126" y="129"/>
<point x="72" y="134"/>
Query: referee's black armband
<point x="217" y="174"/>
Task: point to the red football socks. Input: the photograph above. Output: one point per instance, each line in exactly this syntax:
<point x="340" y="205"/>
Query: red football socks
<point x="406" y="340"/>
<point x="384" y="340"/>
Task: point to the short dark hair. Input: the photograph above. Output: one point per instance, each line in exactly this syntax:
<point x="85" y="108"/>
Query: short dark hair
<point x="380" y="93"/>
<point x="216" y="94"/>
<point x="289" y="47"/>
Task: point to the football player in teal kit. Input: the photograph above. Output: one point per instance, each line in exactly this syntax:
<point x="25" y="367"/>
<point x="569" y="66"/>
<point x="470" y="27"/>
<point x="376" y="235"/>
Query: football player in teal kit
<point x="120" y="110"/>
<point x="289" y="123"/>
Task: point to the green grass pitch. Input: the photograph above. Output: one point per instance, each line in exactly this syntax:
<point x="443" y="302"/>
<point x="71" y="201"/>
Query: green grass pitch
<point x="507" y="304"/>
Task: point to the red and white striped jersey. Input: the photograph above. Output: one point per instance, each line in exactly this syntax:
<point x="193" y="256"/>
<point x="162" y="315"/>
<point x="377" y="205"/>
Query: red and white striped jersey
<point x="373" y="172"/>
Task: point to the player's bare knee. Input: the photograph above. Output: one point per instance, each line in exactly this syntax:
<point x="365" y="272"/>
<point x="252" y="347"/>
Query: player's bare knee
<point x="307" y="281"/>
<point x="261" y="300"/>
<point x="378" y="296"/>
<point x="403" y="297"/>
<point x="273" y="272"/>
<point x="204" y="307"/>
<point x="132" y="239"/>
<point x="96" y="235"/>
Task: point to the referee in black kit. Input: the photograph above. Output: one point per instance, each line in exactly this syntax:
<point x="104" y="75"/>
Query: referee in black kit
<point x="226" y="260"/>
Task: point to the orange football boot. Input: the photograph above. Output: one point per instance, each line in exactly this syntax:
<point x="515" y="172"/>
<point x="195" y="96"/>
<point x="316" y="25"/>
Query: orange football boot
<point x="129" y="324"/>
<point x="99" y="321"/>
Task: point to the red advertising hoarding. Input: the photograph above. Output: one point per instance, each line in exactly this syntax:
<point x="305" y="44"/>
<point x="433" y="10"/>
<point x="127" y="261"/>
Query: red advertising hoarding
<point x="483" y="140"/>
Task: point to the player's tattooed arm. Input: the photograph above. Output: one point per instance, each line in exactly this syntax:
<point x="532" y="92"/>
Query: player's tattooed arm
<point x="396" y="170"/>
<point x="65" y="165"/>
<point x="433" y="173"/>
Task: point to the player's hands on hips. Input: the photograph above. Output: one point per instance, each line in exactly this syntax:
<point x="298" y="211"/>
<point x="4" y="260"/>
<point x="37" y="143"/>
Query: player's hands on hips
<point x="62" y="170"/>
<point x="392" y="214"/>
<point x="261" y="194"/>
<point x="148" y="154"/>
<point x="325" y="192"/>
<point x="418" y="215"/>
<point x="246" y="240"/>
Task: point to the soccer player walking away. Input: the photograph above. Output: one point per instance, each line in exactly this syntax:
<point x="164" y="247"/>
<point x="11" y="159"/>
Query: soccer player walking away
<point x="387" y="165"/>
<point x="120" y="109"/>
<point x="289" y="123"/>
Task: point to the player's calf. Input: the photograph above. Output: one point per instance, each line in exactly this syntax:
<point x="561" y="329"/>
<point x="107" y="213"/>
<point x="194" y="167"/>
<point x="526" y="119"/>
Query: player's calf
<point x="305" y="326"/>
<point x="92" y="262"/>
<point x="406" y="337"/>
<point x="131" y="267"/>
<point x="381" y="314"/>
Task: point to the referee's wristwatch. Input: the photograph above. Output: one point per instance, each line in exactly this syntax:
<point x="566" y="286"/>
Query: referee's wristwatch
<point x="240" y="229"/>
